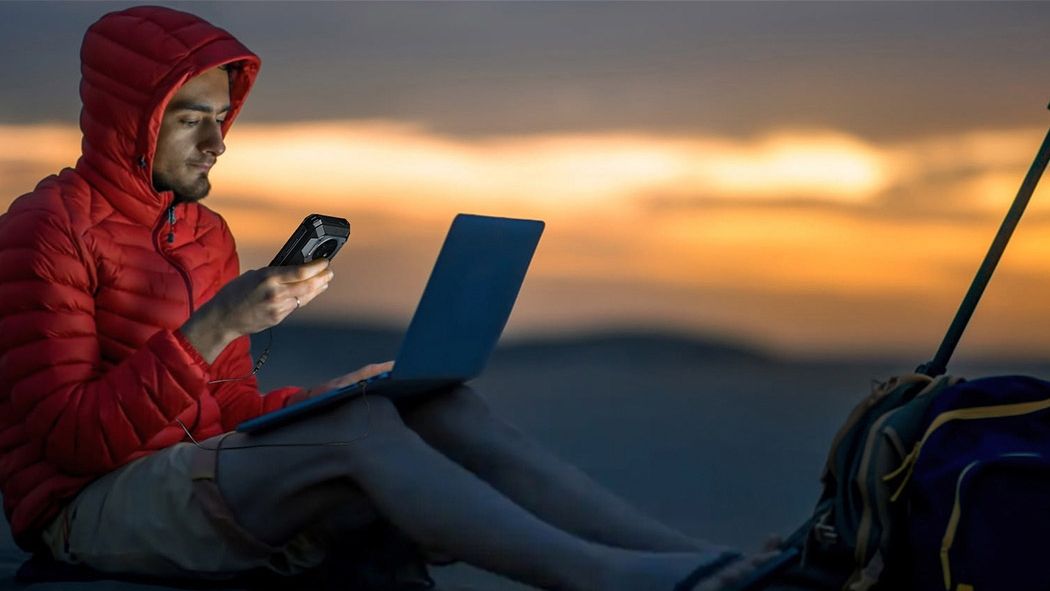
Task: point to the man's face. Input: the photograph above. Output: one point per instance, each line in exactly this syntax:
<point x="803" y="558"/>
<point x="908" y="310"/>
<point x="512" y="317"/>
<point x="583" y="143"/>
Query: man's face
<point x="190" y="138"/>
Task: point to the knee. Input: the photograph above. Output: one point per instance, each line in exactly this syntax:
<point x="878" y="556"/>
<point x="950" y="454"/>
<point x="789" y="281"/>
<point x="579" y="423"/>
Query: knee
<point x="378" y="415"/>
<point x="450" y="409"/>
<point x="372" y="418"/>
<point x="464" y="400"/>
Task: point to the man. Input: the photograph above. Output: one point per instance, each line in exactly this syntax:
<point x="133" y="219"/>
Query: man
<point x="125" y="333"/>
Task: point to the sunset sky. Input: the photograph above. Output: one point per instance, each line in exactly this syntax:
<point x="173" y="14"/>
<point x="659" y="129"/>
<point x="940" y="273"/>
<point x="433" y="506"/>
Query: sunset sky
<point x="811" y="177"/>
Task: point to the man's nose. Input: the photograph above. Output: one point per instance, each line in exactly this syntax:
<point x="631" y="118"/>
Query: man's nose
<point x="212" y="142"/>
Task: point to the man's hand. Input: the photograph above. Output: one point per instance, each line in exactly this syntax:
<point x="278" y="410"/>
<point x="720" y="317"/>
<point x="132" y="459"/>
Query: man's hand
<point x="364" y="373"/>
<point x="256" y="300"/>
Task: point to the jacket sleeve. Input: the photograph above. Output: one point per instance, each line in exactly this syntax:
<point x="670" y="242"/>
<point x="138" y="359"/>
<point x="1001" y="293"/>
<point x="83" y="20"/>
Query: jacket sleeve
<point x="240" y="399"/>
<point x="88" y="421"/>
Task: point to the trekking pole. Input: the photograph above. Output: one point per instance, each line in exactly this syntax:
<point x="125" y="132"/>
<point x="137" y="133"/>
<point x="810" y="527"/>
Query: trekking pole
<point x="939" y="364"/>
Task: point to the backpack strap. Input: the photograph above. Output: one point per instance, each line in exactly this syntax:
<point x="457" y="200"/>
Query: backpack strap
<point x="961" y="414"/>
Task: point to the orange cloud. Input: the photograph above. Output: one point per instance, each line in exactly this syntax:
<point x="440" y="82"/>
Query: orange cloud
<point x="818" y="241"/>
<point x="341" y="162"/>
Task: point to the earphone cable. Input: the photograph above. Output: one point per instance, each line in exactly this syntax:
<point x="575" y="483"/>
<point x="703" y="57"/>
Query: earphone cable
<point x="368" y="429"/>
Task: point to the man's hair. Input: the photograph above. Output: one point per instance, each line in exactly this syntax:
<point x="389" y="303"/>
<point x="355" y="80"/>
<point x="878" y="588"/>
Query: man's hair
<point x="231" y="67"/>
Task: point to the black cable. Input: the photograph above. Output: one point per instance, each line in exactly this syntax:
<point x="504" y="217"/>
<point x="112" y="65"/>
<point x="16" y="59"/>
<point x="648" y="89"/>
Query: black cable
<point x="258" y="364"/>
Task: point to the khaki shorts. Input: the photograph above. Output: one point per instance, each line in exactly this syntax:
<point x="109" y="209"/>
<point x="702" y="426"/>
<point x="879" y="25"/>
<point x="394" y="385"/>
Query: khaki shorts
<point x="162" y="515"/>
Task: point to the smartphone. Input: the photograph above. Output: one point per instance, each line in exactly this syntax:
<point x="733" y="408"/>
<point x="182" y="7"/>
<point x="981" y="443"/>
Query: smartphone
<point x="318" y="237"/>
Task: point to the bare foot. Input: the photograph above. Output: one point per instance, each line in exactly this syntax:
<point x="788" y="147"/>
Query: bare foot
<point x="637" y="571"/>
<point x="731" y="574"/>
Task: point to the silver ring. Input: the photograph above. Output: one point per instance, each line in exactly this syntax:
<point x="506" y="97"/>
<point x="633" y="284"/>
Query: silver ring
<point x="297" y="303"/>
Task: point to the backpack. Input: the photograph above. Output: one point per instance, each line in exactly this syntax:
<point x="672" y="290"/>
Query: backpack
<point x="853" y="539"/>
<point x="931" y="485"/>
<point x="978" y="489"/>
<point x="917" y="445"/>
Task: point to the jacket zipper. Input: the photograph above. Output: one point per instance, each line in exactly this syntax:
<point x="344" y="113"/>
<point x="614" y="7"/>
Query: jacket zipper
<point x="160" y="249"/>
<point x="185" y="278"/>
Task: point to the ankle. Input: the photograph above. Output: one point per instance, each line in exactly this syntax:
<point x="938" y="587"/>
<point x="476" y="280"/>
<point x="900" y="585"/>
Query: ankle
<point x="644" y="571"/>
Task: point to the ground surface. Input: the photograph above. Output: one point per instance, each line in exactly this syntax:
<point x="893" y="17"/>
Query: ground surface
<point x="721" y="441"/>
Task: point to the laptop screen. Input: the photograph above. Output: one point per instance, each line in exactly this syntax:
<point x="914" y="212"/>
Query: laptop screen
<point x="468" y="298"/>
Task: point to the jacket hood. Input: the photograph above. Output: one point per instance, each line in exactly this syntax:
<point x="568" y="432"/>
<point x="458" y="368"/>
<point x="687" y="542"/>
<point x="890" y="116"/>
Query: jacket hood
<point x="132" y="63"/>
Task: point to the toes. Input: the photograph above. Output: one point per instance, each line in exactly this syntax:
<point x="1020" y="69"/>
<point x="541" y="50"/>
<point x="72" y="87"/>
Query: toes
<point x="735" y="572"/>
<point x="773" y="542"/>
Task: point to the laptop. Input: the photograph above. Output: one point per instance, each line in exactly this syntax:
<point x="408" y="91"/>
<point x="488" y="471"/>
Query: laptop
<point x="459" y="319"/>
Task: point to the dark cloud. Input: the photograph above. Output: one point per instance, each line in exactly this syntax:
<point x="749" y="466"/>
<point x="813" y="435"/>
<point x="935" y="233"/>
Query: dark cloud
<point x="879" y="70"/>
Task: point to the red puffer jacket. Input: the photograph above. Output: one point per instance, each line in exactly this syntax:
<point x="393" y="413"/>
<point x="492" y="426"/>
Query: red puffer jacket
<point x="95" y="279"/>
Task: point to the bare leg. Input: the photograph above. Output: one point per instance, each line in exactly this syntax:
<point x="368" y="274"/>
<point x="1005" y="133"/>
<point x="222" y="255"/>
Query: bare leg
<point x="436" y="502"/>
<point x="460" y="425"/>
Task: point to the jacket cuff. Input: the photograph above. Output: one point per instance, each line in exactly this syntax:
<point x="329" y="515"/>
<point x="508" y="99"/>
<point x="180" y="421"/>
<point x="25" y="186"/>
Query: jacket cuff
<point x="279" y="398"/>
<point x="192" y="351"/>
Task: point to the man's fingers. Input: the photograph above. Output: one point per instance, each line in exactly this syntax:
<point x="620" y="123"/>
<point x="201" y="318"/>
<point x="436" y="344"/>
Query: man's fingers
<point x="371" y="370"/>
<point x="311" y="286"/>
<point x="297" y="273"/>
<point x="315" y="282"/>
<point x="308" y="289"/>
<point x="364" y="373"/>
<point x="314" y="267"/>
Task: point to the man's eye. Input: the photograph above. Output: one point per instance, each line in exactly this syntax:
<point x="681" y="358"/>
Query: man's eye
<point x="190" y="122"/>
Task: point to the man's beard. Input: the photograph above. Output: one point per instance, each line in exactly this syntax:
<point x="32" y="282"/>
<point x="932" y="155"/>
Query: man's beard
<point x="184" y="192"/>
